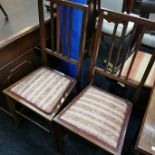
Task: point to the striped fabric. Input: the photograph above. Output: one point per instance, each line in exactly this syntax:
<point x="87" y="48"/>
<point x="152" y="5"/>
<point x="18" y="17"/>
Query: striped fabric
<point x="43" y="88"/>
<point x="138" y="68"/>
<point x="98" y="114"/>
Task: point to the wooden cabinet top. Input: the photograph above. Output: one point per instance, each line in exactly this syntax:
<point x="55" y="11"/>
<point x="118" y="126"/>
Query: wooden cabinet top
<point x="23" y="19"/>
<point x="146" y="139"/>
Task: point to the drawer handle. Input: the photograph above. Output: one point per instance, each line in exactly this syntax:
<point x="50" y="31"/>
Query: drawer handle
<point x="18" y="67"/>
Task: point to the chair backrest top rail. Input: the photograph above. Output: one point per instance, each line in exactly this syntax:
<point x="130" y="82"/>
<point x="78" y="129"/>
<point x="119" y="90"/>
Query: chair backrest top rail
<point x="127" y="17"/>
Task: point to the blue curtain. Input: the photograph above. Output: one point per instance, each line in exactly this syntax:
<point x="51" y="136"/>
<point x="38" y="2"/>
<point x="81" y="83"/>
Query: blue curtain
<point x="75" y="35"/>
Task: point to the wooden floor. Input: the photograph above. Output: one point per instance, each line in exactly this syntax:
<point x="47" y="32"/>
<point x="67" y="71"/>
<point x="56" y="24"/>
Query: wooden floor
<point x="23" y="15"/>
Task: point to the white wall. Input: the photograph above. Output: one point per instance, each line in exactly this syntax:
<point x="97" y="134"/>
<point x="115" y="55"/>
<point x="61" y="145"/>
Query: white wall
<point x="115" y="5"/>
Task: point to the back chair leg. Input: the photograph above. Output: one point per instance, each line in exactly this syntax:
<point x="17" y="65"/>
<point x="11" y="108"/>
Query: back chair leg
<point x="4" y="12"/>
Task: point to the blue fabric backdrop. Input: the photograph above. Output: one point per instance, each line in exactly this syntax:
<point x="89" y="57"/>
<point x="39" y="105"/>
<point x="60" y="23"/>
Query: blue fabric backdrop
<point x="75" y="37"/>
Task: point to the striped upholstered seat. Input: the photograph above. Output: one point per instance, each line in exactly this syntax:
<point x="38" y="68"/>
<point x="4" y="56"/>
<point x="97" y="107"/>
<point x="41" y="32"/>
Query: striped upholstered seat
<point x="97" y="115"/>
<point x="42" y="89"/>
<point x="138" y="68"/>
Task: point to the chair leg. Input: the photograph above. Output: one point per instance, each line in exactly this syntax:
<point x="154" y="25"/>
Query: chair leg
<point x="12" y="108"/>
<point x="4" y="12"/>
<point x="58" y="140"/>
<point x="138" y="153"/>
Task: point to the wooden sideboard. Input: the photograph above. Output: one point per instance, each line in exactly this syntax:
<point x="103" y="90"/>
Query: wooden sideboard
<point x="16" y="55"/>
<point x="146" y="138"/>
<point x="18" y="37"/>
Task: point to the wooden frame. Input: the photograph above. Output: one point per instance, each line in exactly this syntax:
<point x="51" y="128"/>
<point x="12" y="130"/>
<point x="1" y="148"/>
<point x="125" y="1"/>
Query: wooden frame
<point x="110" y="15"/>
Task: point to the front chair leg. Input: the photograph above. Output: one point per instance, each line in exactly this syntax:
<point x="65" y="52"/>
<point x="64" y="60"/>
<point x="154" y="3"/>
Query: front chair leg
<point x="57" y="138"/>
<point x="12" y="108"/>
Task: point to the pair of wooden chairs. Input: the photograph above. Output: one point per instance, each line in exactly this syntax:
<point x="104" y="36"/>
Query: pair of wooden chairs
<point x="96" y="115"/>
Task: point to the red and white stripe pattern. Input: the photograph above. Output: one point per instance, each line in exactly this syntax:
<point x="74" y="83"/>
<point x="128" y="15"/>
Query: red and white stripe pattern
<point x="98" y="114"/>
<point x="43" y="88"/>
<point x="139" y="67"/>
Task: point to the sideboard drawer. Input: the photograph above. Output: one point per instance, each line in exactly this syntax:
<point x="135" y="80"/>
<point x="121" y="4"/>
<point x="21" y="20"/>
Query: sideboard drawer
<point x="17" y="68"/>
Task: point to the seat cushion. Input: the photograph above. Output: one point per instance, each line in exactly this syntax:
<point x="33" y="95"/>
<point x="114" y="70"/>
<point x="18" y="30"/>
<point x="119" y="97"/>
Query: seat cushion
<point x="149" y="40"/>
<point x="138" y="68"/>
<point x="98" y="115"/>
<point x="43" y="88"/>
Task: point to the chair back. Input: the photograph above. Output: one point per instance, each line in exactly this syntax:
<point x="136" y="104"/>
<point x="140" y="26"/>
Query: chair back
<point x="118" y="5"/>
<point x="119" y="54"/>
<point x="110" y="4"/>
<point x="148" y="9"/>
<point x="62" y="32"/>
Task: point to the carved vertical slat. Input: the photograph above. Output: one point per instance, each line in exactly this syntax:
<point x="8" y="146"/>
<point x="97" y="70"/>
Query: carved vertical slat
<point x="63" y="29"/>
<point x="128" y="49"/>
<point x="135" y="53"/>
<point x="110" y="49"/>
<point x="82" y="42"/>
<point x="52" y="24"/>
<point x="70" y="31"/>
<point x="58" y="28"/>
<point x="120" y="46"/>
<point x="42" y="31"/>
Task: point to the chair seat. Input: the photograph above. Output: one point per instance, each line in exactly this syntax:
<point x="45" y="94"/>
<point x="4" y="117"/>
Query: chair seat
<point x="138" y="68"/>
<point x="42" y="89"/>
<point x="149" y="40"/>
<point x="98" y="116"/>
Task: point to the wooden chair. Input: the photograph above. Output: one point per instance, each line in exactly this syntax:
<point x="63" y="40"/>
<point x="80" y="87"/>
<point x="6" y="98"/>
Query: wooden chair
<point x="136" y="6"/>
<point x="148" y="11"/>
<point x="4" y="12"/>
<point x="45" y="90"/>
<point x="99" y="116"/>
